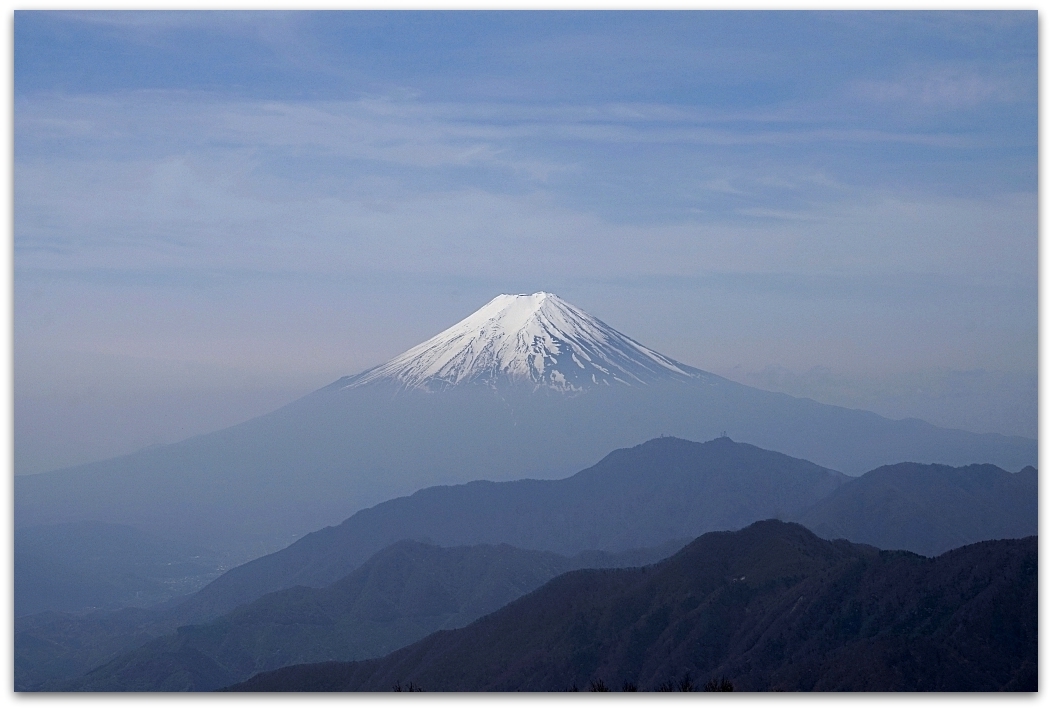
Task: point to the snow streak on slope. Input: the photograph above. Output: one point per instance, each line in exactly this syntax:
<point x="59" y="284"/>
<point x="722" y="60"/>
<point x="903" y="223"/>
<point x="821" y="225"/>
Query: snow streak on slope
<point x="538" y="340"/>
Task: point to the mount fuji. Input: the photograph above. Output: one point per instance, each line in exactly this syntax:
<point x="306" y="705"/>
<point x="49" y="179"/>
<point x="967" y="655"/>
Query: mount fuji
<point x="539" y="341"/>
<point x="528" y="386"/>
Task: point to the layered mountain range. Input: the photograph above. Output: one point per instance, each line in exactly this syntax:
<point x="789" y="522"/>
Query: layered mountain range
<point x="398" y="596"/>
<point x="529" y="386"/>
<point x="770" y="607"/>
<point x="379" y="580"/>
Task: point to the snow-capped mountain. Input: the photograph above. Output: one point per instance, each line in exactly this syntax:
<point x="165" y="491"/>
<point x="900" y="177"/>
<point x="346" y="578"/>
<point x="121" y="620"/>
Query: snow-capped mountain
<point x="539" y="340"/>
<point x="414" y="422"/>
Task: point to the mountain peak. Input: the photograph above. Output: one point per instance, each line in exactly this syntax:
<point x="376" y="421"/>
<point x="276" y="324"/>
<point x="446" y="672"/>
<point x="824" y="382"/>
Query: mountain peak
<point x="538" y="340"/>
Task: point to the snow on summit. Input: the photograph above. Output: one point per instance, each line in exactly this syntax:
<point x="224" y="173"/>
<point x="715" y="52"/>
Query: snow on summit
<point x="538" y="340"/>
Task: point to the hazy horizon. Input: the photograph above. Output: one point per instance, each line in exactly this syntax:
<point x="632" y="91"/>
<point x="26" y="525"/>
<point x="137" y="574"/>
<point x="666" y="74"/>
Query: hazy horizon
<point x="216" y="213"/>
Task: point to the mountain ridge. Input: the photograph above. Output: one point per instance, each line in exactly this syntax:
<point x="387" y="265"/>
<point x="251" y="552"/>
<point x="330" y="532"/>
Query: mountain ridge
<point x="632" y="496"/>
<point x="638" y="497"/>
<point x="770" y="607"/>
<point x="928" y="508"/>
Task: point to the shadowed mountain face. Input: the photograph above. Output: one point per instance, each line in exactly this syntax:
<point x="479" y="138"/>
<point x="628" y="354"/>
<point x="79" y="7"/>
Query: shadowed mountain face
<point x="665" y="489"/>
<point x="771" y="607"/>
<point x="398" y="596"/>
<point x="928" y="509"/>
<point x="527" y="387"/>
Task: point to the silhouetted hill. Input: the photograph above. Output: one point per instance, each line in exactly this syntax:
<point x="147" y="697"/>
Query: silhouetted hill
<point x="398" y="596"/>
<point x="84" y="565"/>
<point x="928" y="509"/>
<point x="665" y="489"/>
<point x="771" y="607"/>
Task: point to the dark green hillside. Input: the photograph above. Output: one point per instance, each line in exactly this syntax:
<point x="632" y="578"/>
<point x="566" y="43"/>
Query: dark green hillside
<point x="770" y="607"/>
<point x="929" y="508"/>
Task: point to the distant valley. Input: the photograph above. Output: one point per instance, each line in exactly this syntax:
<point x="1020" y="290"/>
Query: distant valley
<point x="93" y="565"/>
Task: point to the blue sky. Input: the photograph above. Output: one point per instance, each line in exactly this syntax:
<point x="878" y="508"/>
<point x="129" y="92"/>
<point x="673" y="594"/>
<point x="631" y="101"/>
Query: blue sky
<point x="218" y="212"/>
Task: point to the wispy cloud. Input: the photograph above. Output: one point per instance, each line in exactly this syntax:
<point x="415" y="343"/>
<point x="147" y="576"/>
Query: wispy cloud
<point x="407" y="132"/>
<point x="178" y="178"/>
<point x="947" y="88"/>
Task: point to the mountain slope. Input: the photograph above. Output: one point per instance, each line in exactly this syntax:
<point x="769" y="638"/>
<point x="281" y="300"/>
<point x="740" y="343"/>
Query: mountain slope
<point x="665" y="489"/>
<point x="771" y="607"/>
<point x="928" y="509"/>
<point x="400" y="595"/>
<point x="484" y="403"/>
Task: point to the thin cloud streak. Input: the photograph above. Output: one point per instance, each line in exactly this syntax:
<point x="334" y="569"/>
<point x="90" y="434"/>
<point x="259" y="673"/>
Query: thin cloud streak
<point x="377" y="129"/>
